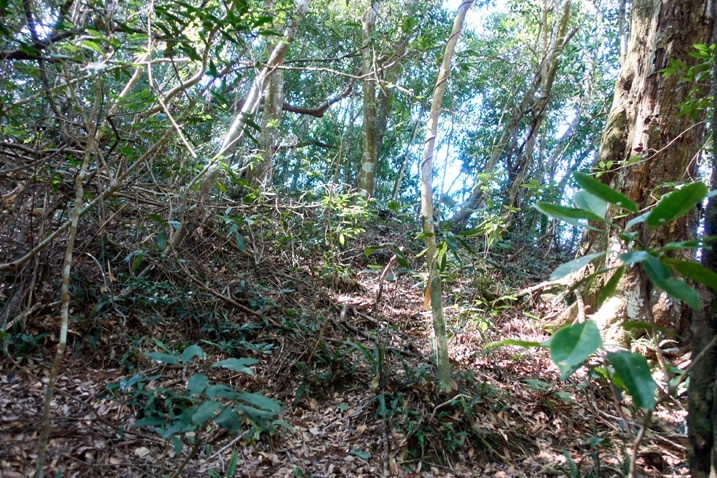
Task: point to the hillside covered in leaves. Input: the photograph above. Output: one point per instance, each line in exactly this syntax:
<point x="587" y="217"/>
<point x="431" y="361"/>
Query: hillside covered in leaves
<point x="375" y="238"/>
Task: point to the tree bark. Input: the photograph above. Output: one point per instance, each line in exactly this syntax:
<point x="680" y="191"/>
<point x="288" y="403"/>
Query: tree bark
<point x="645" y="121"/>
<point x="369" y="155"/>
<point x="429" y="230"/>
<point x="260" y="174"/>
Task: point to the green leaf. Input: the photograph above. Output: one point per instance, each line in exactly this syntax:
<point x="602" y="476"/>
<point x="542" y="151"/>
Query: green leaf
<point x="604" y="192"/>
<point x="91" y="45"/>
<point x="361" y="454"/>
<point x="636" y="220"/>
<point x="197" y="383"/>
<point x="634" y="373"/>
<point x="609" y="288"/>
<point x="660" y="276"/>
<point x="163" y="358"/>
<point x="589" y="202"/>
<point x="630" y="258"/>
<point x="239" y="239"/>
<point x="149" y="422"/>
<point x="694" y="271"/>
<point x="568" y="214"/>
<point x="221" y="391"/>
<point x="260" y="401"/>
<point x="676" y="204"/>
<point x="192" y="351"/>
<point x="574" y="265"/>
<point x="205" y="412"/>
<point x="229" y="420"/>
<point x="394" y="206"/>
<point x="237" y="364"/>
<point x="572" y="345"/>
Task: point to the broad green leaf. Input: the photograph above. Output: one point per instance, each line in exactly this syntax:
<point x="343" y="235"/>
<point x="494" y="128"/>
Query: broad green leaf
<point x="572" y="345"/>
<point x="401" y="259"/>
<point x="630" y="258"/>
<point x="660" y="276"/>
<point x="634" y="374"/>
<point x="237" y="364"/>
<point x="676" y="204"/>
<point x="694" y="271"/>
<point x="394" y="206"/>
<point x="161" y="357"/>
<point x="192" y="351"/>
<point x="239" y="239"/>
<point x="229" y="420"/>
<point x="221" y="391"/>
<point x="257" y="415"/>
<point x="567" y="213"/>
<point x="574" y="265"/>
<point x="609" y="288"/>
<point x="197" y="383"/>
<point x="260" y="401"/>
<point x="604" y="192"/>
<point x="91" y="45"/>
<point x="205" y="411"/>
<point x="589" y="202"/>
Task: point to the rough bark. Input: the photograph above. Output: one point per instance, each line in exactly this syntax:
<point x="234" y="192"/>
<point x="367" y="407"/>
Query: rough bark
<point x="369" y="155"/>
<point x="429" y="230"/>
<point x="645" y="121"/>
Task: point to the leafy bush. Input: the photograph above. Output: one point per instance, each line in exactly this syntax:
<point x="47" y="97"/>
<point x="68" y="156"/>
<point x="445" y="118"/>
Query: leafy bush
<point x="173" y="414"/>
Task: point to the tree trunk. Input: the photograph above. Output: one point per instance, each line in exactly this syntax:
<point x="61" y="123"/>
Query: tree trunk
<point x="646" y="144"/>
<point x="701" y="425"/>
<point x="369" y="155"/>
<point x="532" y="106"/>
<point x="260" y="174"/>
<point x="429" y="230"/>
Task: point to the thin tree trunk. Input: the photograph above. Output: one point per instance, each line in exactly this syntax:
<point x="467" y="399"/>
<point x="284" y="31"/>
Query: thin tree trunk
<point x="369" y="155"/>
<point x="531" y="105"/>
<point x="429" y="230"/>
<point x="260" y="174"/>
<point x="210" y="173"/>
<point x="90" y="149"/>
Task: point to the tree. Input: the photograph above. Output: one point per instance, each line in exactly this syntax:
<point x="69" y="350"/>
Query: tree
<point x="429" y="229"/>
<point x="369" y="155"/>
<point x="647" y="146"/>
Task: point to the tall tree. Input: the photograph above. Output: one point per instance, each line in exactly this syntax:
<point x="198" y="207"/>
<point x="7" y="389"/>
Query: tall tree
<point x="528" y="116"/>
<point x="369" y="155"/>
<point x="429" y="227"/>
<point x="647" y="144"/>
<point x="260" y="172"/>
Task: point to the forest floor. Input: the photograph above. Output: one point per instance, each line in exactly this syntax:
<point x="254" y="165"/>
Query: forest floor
<point x="348" y="358"/>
